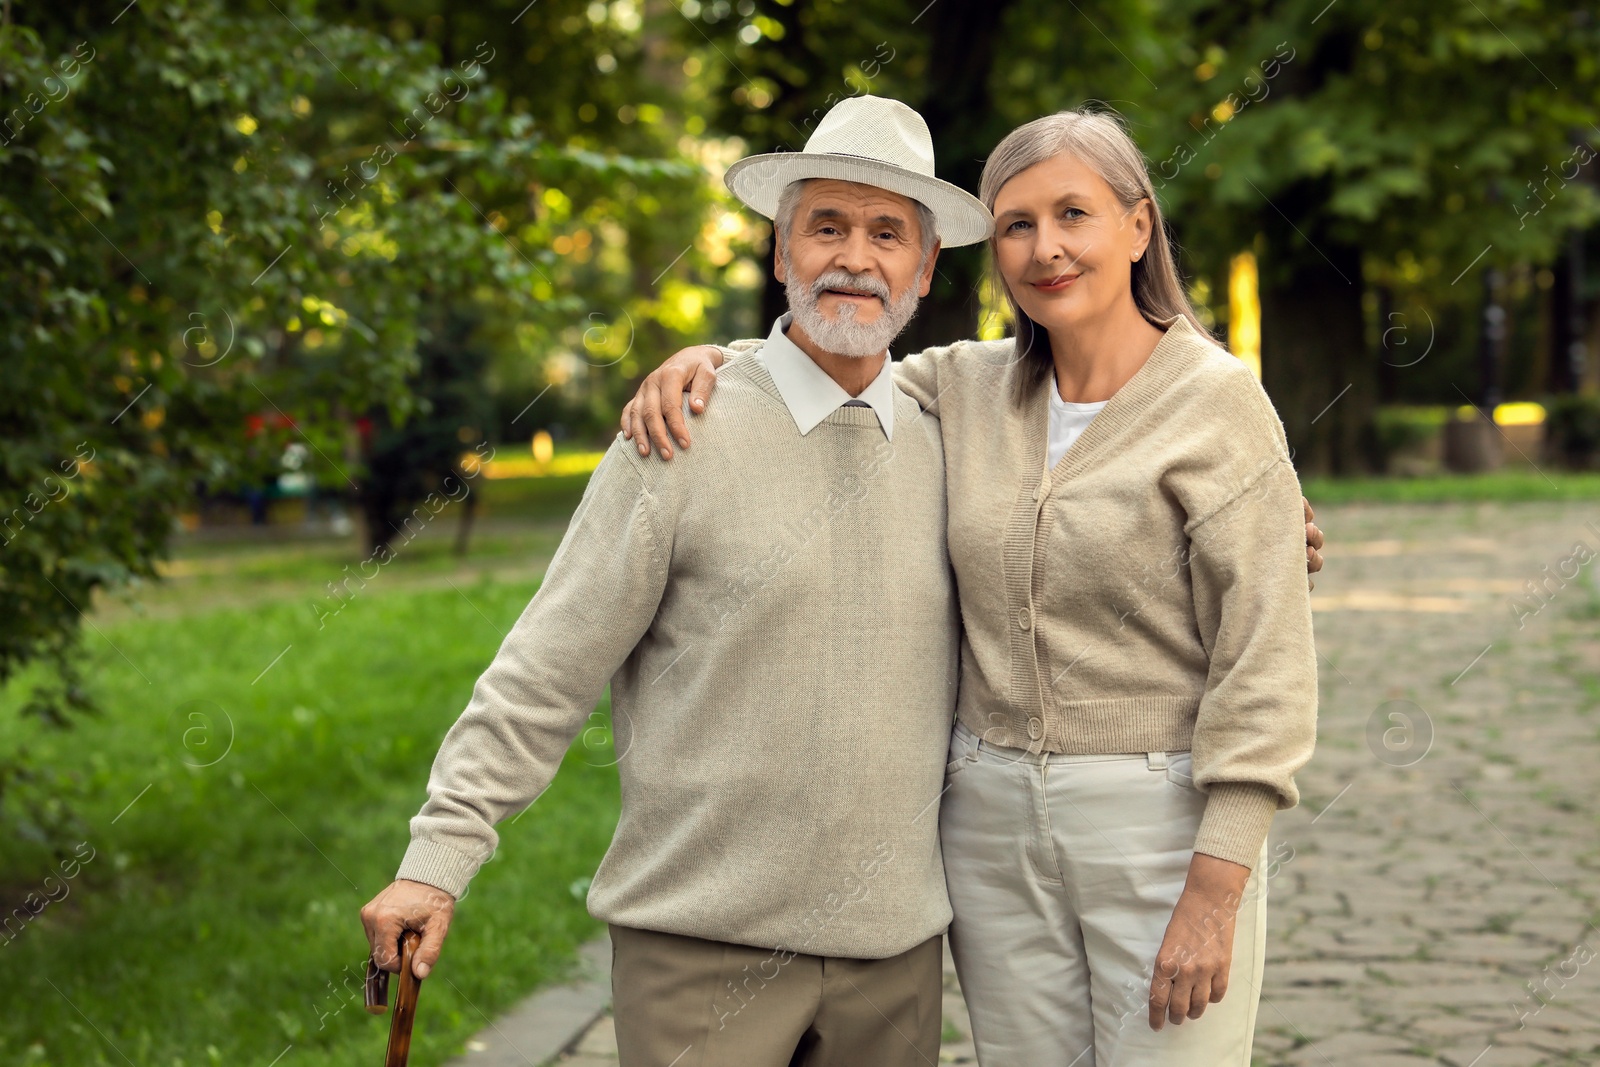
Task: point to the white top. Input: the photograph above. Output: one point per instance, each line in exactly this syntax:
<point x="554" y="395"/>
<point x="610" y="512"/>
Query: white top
<point x="810" y="394"/>
<point x="1067" y="423"/>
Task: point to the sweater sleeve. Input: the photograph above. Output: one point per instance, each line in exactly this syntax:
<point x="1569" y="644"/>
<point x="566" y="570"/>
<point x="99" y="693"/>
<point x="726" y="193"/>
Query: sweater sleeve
<point x="1256" y="724"/>
<point x="918" y="377"/>
<point x="545" y="680"/>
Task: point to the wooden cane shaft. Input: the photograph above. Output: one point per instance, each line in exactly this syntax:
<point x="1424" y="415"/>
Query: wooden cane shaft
<point x="405" y="1003"/>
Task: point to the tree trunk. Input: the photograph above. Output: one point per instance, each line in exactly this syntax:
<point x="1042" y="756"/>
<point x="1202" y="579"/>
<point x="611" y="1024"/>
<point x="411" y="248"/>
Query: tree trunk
<point x="378" y="515"/>
<point x="469" y="511"/>
<point x="1564" y="373"/>
<point x="964" y="39"/>
<point x="1314" y="358"/>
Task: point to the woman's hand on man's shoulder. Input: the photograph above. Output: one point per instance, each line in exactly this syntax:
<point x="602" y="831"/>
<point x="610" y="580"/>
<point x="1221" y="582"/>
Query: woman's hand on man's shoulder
<point x="655" y="414"/>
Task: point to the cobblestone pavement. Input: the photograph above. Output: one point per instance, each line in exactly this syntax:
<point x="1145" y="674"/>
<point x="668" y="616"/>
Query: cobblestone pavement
<point x="1433" y="898"/>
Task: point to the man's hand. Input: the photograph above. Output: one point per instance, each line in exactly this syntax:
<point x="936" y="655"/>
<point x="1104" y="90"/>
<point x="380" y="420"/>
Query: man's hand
<point x="656" y="411"/>
<point x="1313" y="542"/>
<point x="1191" y="969"/>
<point x="408" y="905"/>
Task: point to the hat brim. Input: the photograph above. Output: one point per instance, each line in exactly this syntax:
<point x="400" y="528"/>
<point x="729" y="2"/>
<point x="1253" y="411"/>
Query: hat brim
<point x="759" y="180"/>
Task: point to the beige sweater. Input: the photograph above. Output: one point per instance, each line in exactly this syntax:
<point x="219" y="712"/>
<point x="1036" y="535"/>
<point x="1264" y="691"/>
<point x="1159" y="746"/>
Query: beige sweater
<point x="1147" y="594"/>
<point x="776" y="616"/>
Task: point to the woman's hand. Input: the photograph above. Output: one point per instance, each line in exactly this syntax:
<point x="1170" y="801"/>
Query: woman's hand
<point x="1192" y="967"/>
<point x="656" y="413"/>
<point x="1313" y="542"/>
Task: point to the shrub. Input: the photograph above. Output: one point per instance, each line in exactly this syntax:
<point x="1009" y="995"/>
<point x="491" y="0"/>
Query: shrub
<point x="1399" y="430"/>
<point x="1572" y="429"/>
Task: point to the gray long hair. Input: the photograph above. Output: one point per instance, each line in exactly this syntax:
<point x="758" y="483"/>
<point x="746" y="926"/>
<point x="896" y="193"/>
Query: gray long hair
<point x="1100" y="142"/>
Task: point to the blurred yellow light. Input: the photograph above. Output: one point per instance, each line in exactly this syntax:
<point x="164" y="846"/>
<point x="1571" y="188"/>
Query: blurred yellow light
<point x="544" y="448"/>
<point x="1525" y="413"/>
<point x="1244" y="311"/>
<point x="567" y="463"/>
<point x="246" y="124"/>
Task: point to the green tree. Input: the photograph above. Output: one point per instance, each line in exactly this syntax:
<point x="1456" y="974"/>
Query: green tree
<point x="1370" y="152"/>
<point x="214" y="211"/>
<point x="1404" y="146"/>
<point x="638" y="248"/>
<point x="407" y="461"/>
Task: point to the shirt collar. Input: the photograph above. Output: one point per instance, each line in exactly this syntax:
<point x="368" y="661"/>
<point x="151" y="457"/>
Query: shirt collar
<point x="809" y="393"/>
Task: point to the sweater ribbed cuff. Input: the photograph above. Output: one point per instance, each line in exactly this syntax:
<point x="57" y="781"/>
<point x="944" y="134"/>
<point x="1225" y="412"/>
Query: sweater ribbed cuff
<point x="437" y="865"/>
<point x="1234" y="827"/>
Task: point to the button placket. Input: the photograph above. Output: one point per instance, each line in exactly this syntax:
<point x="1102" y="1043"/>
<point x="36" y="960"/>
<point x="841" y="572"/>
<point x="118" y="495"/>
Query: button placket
<point x="1025" y="617"/>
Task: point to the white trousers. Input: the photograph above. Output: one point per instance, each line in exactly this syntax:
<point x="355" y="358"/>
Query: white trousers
<point x="1063" y="873"/>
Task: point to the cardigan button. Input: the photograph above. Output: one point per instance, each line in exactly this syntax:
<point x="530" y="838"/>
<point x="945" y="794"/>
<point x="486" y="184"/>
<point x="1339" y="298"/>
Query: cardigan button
<point x="1024" y="619"/>
<point x="1035" y="729"/>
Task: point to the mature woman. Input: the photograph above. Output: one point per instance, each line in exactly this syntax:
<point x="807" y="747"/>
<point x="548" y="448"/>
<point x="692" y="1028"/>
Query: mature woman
<point x="1138" y="678"/>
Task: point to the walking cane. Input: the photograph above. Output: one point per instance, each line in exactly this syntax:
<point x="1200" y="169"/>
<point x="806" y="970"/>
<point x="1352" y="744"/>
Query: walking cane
<point x="405" y="1006"/>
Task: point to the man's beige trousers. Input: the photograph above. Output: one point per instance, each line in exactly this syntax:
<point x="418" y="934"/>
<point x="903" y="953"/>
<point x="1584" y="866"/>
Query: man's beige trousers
<point x="686" y="1002"/>
<point x="1063" y="873"/>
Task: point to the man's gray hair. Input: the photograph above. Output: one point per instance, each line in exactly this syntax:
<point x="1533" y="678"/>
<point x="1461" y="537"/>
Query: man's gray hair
<point x="789" y="200"/>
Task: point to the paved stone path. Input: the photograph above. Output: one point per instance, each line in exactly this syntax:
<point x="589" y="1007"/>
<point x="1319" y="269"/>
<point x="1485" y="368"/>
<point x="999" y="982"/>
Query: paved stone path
<point x="1434" y="897"/>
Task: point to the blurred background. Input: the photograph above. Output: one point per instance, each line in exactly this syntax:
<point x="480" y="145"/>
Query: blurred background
<point x="315" y="317"/>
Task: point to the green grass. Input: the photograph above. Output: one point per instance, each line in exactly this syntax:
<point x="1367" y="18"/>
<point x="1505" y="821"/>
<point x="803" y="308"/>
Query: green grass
<point x="540" y="498"/>
<point x="1504" y="486"/>
<point x="218" y="920"/>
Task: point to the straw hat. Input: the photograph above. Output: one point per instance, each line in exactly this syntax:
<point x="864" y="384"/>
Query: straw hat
<point x="873" y="141"/>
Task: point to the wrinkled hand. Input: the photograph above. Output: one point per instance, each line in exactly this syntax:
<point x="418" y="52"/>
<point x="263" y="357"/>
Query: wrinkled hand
<point x="408" y="905"/>
<point x="656" y="411"/>
<point x="1191" y="968"/>
<point x="1313" y="542"/>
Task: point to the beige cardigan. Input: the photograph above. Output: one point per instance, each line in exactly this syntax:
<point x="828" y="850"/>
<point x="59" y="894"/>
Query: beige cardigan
<point x="1147" y="594"/>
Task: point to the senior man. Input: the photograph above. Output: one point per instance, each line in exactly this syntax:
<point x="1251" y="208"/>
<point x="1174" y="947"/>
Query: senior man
<point x="774" y="890"/>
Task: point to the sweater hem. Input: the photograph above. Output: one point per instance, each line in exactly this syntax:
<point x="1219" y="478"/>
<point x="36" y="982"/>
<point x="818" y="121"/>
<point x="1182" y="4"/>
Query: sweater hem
<point x="1092" y="727"/>
<point x="860" y="940"/>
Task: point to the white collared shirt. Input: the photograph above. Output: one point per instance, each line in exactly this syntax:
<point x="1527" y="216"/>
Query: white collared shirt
<point x="810" y="394"/>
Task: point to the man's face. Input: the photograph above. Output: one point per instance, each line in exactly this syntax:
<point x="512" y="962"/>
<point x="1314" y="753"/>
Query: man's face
<point x="853" y="265"/>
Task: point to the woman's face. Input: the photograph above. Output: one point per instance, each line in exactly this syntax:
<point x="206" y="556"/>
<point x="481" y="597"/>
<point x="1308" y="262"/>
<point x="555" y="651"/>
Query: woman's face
<point x="1065" y="244"/>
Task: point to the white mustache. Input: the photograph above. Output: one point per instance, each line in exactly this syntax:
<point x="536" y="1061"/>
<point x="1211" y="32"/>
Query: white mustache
<point x="843" y="279"/>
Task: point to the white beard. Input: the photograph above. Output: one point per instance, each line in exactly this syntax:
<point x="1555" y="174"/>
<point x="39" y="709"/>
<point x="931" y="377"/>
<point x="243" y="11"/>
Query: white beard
<point x="844" y="336"/>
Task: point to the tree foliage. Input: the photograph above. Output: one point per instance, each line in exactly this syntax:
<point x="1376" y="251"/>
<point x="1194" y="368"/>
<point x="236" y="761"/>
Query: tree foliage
<point x="1362" y="148"/>
<point x="1397" y="147"/>
<point x="211" y="212"/>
